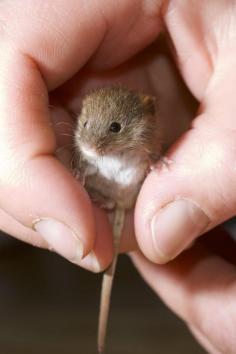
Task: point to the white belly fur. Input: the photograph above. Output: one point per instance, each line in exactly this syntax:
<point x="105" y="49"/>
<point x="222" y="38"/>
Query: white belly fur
<point x="120" y="169"/>
<point x="123" y="169"/>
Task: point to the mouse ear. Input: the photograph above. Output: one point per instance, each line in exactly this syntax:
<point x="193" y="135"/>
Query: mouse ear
<point x="149" y="103"/>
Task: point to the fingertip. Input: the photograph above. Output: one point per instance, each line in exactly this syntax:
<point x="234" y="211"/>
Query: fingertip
<point x="102" y="253"/>
<point x="166" y="222"/>
<point x="60" y="238"/>
<point x="176" y="226"/>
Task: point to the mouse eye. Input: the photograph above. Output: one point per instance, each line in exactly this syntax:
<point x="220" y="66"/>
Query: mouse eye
<point x="85" y="123"/>
<point x="115" y="127"/>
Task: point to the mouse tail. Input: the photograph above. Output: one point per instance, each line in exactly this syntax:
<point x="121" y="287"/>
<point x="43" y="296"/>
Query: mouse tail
<point x="107" y="280"/>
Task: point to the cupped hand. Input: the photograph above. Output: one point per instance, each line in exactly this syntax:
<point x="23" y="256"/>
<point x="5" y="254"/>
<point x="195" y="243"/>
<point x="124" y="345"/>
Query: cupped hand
<point x="47" y="51"/>
<point x="45" y="47"/>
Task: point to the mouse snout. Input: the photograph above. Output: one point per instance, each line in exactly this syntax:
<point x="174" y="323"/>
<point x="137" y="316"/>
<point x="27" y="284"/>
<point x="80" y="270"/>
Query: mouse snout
<point x="89" y="150"/>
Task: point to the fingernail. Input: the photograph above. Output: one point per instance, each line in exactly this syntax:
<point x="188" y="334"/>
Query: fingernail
<point x="175" y="226"/>
<point x="91" y="263"/>
<point x="60" y="238"/>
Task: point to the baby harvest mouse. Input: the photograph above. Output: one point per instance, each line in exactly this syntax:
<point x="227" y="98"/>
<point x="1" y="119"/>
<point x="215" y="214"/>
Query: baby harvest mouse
<point x="117" y="139"/>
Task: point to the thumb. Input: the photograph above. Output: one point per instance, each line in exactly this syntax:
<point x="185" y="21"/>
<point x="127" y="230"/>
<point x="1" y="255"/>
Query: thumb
<point x="195" y="191"/>
<point x="35" y="189"/>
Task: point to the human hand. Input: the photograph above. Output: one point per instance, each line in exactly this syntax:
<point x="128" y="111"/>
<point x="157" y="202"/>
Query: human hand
<point x="54" y="42"/>
<point x="44" y="48"/>
<point x="199" y="286"/>
<point x="195" y="192"/>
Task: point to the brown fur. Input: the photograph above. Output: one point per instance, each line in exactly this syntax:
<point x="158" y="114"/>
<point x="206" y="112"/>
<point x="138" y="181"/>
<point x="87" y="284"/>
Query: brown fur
<point x="135" y="113"/>
<point x="139" y="133"/>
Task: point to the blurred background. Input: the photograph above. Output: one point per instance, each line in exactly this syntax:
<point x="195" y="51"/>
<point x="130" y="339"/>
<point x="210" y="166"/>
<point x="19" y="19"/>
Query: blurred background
<point x="51" y="306"/>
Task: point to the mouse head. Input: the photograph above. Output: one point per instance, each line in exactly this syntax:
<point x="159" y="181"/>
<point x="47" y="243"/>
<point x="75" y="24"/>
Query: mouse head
<point x="113" y="120"/>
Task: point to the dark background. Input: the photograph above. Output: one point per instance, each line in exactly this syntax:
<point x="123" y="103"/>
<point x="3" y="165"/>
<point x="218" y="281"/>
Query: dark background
<point x="51" y="306"/>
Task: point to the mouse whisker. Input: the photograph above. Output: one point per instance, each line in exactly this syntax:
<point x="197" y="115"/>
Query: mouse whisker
<point x="65" y="134"/>
<point x="64" y="123"/>
<point x="72" y="162"/>
<point x="61" y="148"/>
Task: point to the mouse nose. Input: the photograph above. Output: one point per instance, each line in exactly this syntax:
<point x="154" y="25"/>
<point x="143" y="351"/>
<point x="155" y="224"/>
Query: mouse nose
<point x="89" y="150"/>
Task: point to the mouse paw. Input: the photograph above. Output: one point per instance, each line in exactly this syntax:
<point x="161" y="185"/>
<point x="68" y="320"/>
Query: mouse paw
<point x="105" y="203"/>
<point x="79" y="176"/>
<point x="101" y="200"/>
<point x="108" y="205"/>
<point x="163" y="163"/>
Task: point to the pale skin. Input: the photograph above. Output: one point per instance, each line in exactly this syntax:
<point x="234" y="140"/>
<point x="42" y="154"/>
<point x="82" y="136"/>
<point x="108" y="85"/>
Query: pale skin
<point x="43" y="45"/>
